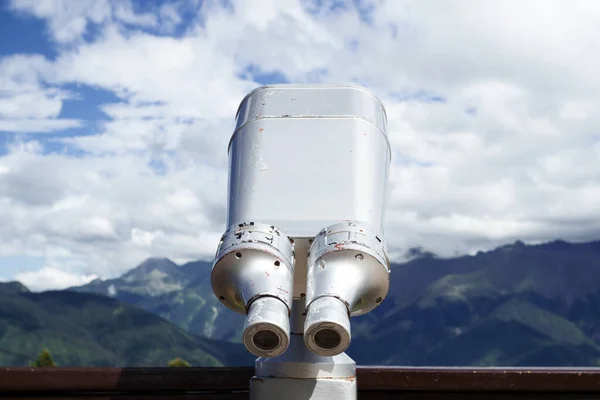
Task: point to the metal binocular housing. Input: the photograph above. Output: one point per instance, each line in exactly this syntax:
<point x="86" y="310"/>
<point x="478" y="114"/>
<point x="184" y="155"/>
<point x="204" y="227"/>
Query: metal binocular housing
<point x="308" y="172"/>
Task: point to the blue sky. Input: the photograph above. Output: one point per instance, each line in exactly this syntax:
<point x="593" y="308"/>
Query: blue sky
<point x="115" y="118"/>
<point x="26" y="34"/>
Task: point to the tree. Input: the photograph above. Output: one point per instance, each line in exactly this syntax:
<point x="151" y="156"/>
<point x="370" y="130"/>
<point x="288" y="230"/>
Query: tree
<point x="179" y="362"/>
<point x="44" y="359"/>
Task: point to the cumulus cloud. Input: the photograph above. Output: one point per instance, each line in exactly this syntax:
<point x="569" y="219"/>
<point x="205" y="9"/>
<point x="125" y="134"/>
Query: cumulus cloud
<point x="37" y="125"/>
<point x="491" y="109"/>
<point x="49" y="278"/>
<point x="112" y="211"/>
<point x="69" y="21"/>
<point x="26" y="103"/>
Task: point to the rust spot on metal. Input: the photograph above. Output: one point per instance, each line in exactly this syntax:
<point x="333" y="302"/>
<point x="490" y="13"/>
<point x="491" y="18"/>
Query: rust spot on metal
<point x="346" y="378"/>
<point x="339" y="246"/>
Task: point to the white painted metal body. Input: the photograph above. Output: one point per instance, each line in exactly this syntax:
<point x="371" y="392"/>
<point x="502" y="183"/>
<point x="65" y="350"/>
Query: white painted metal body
<point x="309" y="164"/>
<point x="306" y="156"/>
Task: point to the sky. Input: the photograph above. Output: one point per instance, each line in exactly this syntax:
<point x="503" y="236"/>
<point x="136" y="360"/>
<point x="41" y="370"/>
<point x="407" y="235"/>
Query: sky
<point x="115" y="118"/>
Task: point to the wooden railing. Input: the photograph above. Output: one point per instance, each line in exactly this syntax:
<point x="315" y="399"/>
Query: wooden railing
<point x="232" y="383"/>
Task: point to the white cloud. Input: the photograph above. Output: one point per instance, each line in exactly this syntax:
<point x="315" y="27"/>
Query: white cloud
<point x="23" y="105"/>
<point x="68" y="21"/>
<point x="123" y="11"/>
<point x="26" y="104"/>
<point x="509" y="153"/>
<point x="189" y="76"/>
<point x="32" y="125"/>
<point x="49" y="278"/>
<point x="112" y="211"/>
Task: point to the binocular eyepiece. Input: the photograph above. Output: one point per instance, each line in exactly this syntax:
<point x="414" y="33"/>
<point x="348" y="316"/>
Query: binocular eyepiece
<point x="253" y="274"/>
<point x="347" y="276"/>
<point x="308" y="167"/>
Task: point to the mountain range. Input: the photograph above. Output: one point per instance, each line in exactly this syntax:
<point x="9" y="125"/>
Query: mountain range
<point x="536" y="305"/>
<point x="517" y="305"/>
<point x="180" y="294"/>
<point x="83" y="329"/>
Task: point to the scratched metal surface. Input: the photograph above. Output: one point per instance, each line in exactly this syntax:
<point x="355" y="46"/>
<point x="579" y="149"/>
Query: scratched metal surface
<point x="304" y="157"/>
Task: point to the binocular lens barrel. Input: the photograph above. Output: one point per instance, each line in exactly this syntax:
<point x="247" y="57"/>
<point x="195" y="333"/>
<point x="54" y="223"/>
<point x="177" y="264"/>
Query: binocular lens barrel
<point x="254" y="274"/>
<point x="347" y="275"/>
<point x="267" y="327"/>
<point x="327" y="326"/>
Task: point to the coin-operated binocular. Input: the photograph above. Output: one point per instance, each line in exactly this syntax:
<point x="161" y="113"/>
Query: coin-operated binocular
<point x="308" y="170"/>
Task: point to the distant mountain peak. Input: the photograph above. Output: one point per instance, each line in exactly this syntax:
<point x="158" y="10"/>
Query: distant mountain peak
<point x="13" y="287"/>
<point x="146" y="268"/>
<point x="417" y="252"/>
<point x="517" y="245"/>
<point x="157" y="259"/>
<point x="153" y="277"/>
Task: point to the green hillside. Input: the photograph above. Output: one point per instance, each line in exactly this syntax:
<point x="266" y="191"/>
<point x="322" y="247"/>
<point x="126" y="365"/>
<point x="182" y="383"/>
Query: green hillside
<point x="196" y="309"/>
<point x="514" y="306"/>
<point x="91" y="330"/>
<point x="186" y="298"/>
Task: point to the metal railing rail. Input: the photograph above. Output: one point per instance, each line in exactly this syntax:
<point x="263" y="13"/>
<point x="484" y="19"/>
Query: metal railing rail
<point x="232" y="383"/>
